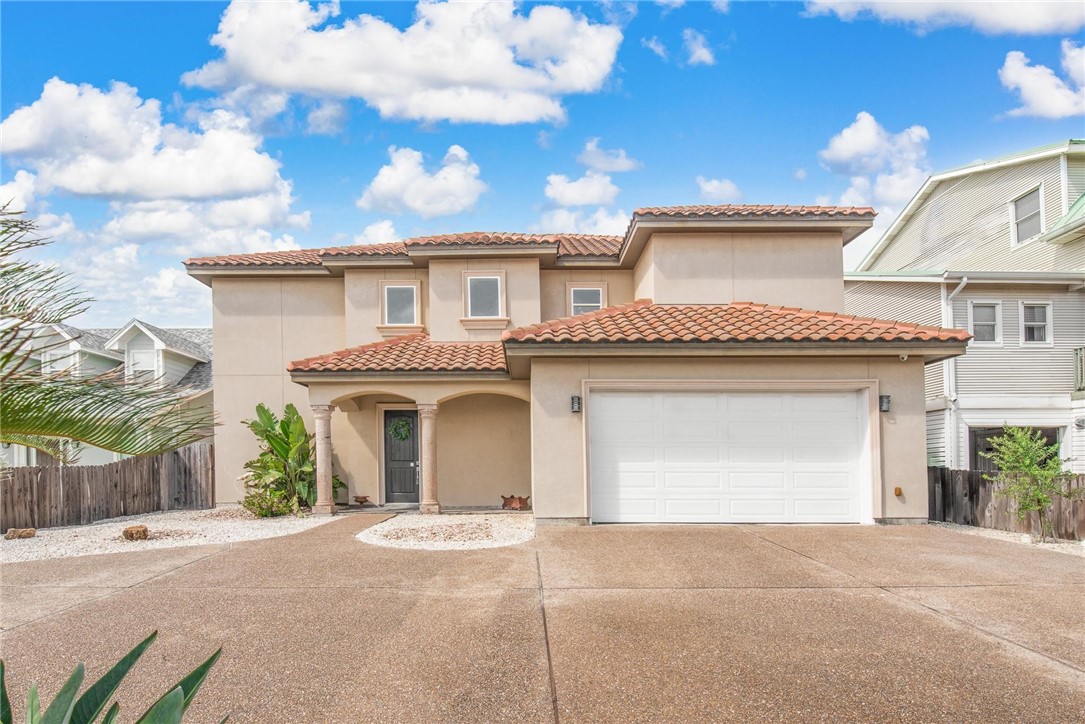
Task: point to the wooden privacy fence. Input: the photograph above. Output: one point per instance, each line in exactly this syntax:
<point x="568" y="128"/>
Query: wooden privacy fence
<point x="964" y="497"/>
<point x="51" y="496"/>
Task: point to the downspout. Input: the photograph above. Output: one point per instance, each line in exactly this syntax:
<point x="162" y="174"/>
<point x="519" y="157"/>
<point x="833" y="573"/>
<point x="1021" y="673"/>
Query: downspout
<point x="950" y="374"/>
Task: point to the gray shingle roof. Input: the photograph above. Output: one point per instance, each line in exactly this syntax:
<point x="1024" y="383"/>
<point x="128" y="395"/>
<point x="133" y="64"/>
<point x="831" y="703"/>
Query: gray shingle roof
<point x="93" y="340"/>
<point x="181" y="339"/>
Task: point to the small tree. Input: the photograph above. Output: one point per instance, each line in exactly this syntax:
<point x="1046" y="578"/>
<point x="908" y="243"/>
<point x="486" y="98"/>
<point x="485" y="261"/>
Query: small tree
<point x="1031" y="473"/>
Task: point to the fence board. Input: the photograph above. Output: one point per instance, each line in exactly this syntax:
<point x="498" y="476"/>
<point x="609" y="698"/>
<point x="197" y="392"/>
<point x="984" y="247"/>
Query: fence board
<point x="51" y="496"/>
<point x="966" y="498"/>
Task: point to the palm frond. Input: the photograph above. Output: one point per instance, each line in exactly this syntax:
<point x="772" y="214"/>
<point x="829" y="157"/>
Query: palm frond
<point x="56" y="447"/>
<point x="105" y="411"/>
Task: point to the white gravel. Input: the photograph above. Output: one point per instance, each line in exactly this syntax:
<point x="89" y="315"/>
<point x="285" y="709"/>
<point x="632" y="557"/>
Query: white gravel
<point x="1071" y="547"/>
<point x="225" y="524"/>
<point x="451" y="531"/>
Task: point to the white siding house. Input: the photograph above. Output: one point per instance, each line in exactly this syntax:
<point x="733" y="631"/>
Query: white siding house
<point x="997" y="248"/>
<point x="178" y="358"/>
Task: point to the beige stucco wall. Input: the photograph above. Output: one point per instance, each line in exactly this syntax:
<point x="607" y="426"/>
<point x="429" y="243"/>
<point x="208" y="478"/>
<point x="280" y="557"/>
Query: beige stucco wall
<point x="559" y="482"/>
<point x="483" y="450"/>
<point x="362" y="301"/>
<point x="554" y="301"/>
<point x="790" y="269"/>
<point x="261" y="325"/>
<point x="446" y="300"/>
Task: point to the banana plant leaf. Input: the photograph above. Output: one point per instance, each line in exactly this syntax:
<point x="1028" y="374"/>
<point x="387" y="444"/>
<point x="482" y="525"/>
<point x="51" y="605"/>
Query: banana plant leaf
<point x="60" y="711"/>
<point x="5" y="703"/>
<point x="94" y="699"/>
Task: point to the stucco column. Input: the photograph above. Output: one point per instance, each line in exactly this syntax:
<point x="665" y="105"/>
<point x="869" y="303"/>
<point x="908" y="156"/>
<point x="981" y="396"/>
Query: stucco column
<point x="324" y="504"/>
<point x="427" y="420"/>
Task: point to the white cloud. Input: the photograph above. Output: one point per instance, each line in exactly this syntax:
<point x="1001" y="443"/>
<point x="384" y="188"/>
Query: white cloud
<point x="326" y="119"/>
<point x="718" y="190"/>
<point x="576" y="221"/>
<point x="800" y="174"/>
<point x="653" y="44"/>
<point x="721" y="6"/>
<point x="884" y="170"/>
<point x="379" y="232"/>
<point x="697" y="48"/>
<point x="461" y="62"/>
<point x="114" y="144"/>
<point x="405" y="185"/>
<point x="610" y="161"/>
<point x="590" y="189"/>
<point x="667" y="6"/>
<point x="1043" y="93"/>
<point x="18" y="194"/>
<point x="1006" y="16"/>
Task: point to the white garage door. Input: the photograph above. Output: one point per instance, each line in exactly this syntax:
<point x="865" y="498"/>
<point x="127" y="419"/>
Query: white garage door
<point x="683" y="457"/>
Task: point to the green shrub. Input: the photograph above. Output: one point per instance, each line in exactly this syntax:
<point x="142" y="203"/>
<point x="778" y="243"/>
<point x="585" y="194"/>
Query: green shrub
<point x="1031" y="473"/>
<point x="66" y="709"/>
<point x="286" y="461"/>
<point x="266" y="502"/>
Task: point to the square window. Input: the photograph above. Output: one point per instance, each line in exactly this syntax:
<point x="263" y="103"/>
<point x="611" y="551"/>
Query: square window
<point x="1027" y="219"/>
<point x="587" y="299"/>
<point x="141" y="364"/>
<point x="1036" y="321"/>
<point x="483" y="296"/>
<point x="985" y="322"/>
<point x="399" y="305"/>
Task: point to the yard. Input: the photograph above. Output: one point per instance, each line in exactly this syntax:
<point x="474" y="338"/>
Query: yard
<point x="612" y="623"/>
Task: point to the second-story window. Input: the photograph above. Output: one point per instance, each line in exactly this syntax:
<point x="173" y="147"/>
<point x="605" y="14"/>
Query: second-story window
<point x="1027" y="218"/>
<point x="141" y="365"/>
<point x="1036" y="323"/>
<point x="985" y="322"/>
<point x="400" y="305"/>
<point x="585" y="299"/>
<point x="483" y="296"/>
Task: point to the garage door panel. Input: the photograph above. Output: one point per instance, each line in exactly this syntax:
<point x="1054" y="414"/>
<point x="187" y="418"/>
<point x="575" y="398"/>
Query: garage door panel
<point x="678" y="455"/>
<point x="742" y="480"/>
<point x="719" y="457"/>
<point x="679" y="480"/>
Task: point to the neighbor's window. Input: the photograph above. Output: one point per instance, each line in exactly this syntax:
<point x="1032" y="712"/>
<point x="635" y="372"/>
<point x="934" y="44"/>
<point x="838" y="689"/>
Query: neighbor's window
<point x="56" y="361"/>
<point x="400" y="305"/>
<point x="1036" y="323"/>
<point x="985" y="322"/>
<point x="484" y="296"/>
<point x="141" y="364"/>
<point x="1027" y="221"/>
<point x="585" y="299"/>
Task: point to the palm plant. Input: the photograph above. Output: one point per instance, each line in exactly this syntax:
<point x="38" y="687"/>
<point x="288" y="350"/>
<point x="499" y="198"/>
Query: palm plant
<point x="47" y="410"/>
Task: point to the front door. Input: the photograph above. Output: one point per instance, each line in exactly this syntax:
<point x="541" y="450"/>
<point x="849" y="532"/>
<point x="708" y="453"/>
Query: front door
<point x="401" y="456"/>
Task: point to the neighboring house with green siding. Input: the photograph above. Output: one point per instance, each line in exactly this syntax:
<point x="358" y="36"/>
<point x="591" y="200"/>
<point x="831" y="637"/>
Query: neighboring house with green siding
<point x="179" y="358"/>
<point x="997" y="247"/>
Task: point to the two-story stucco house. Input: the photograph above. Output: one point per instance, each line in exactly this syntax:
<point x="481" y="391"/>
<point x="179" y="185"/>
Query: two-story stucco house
<point x="998" y="248"/>
<point x="178" y="358"/>
<point x="698" y="368"/>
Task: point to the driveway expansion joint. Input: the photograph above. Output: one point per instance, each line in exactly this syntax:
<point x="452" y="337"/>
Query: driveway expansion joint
<point x="546" y="639"/>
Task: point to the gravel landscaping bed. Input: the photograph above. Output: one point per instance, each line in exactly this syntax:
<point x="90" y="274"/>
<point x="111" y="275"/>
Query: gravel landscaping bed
<point x="451" y="531"/>
<point x="228" y="524"/>
<point x="1074" y="548"/>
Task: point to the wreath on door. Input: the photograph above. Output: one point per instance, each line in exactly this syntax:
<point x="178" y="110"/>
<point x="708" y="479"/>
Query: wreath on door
<point x="399" y="428"/>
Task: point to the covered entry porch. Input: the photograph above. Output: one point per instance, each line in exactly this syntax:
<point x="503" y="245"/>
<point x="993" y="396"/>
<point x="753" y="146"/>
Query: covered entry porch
<point x="411" y="420"/>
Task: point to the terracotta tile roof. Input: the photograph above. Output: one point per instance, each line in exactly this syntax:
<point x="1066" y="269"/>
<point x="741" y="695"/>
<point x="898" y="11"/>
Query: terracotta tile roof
<point x="568" y="244"/>
<point x="757" y="210"/>
<point x="292" y="257"/>
<point x="643" y="321"/>
<point x="410" y="353"/>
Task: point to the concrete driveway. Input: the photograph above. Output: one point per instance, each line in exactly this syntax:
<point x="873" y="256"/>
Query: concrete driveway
<point x="632" y="623"/>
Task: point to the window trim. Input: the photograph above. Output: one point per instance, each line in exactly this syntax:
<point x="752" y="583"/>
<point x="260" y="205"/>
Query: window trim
<point x="570" y="286"/>
<point x="502" y="307"/>
<point x="1049" y="325"/>
<point x="129" y="364"/>
<point x="1014" y="241"/>
<point x="998" y="340"/>
<point x="385" y="285"/>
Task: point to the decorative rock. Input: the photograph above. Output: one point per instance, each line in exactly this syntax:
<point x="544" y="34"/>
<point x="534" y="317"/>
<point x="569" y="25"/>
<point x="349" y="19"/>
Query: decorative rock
<point x="135" y="532"/>
<point x="14" y="533"/>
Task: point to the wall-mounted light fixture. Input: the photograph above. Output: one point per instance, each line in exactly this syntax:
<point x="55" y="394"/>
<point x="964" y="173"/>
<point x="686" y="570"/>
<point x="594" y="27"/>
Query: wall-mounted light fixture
<point x="884" y="403"/>
<point x="574" y="403"/>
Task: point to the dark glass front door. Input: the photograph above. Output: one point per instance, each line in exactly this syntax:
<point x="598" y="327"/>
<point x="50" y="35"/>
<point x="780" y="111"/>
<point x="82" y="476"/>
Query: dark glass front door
<point x="401" y="457"/>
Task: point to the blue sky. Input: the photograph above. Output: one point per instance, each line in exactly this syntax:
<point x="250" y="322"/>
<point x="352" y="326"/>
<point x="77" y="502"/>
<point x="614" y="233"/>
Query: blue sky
<point x="159" y="140"/>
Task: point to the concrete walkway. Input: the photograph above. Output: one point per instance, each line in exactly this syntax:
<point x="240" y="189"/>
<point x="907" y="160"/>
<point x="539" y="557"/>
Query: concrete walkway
<point x="630" y="623"/>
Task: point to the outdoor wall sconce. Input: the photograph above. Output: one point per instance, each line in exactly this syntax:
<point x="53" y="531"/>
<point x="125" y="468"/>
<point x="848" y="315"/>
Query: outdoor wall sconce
<point x="574" y="403"/>
<point x="883" y="403"/>
<point x="898" y="492"/>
